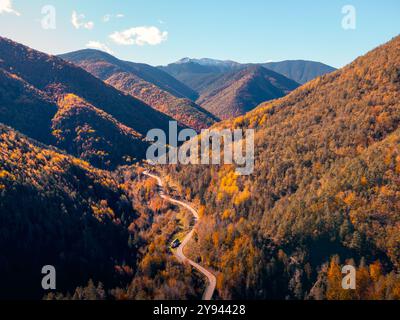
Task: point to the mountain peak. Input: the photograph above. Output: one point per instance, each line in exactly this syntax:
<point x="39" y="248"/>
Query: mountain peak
<point x="209" y="62"/>
<point x="300" y="71"/>
<point x="87" y="54"/>
<point x="239" y="91"/>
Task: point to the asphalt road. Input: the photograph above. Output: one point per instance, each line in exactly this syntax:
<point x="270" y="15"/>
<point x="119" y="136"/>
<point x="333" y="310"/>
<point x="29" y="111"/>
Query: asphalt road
<point x="211" y="279"/>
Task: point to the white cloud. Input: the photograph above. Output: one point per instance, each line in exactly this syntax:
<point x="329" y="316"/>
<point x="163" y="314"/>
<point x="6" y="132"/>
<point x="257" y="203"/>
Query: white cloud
<point x="139" y="36"/>
<point x="108" y="17"/>
<point x="89" y="25"/>
<point x="6" y="7"/>
<point x="78" y="21"/>
<point x="100" y="46"/>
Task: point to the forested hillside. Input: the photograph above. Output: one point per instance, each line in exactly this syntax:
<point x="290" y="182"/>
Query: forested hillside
<point x="235" y="93"/>
<point x="104" y="233"/>
<point x="58" y="210"/>
<point x="97" y="228"/>
<point x="299" y="70"/>
<point x="91" y="134"/>
<point x="25" y="108"/>
<point x="104" y="65"/>
<point x="151" y="85"/>
<point x="195" y="75"/>
<point x="326" y="183"/>
<point x="228" y="89"/>
<point x="57" y="103"/>
<point x="56" y="77"/>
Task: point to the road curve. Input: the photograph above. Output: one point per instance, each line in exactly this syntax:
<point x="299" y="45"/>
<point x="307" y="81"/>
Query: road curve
<point x="211" y="279"/>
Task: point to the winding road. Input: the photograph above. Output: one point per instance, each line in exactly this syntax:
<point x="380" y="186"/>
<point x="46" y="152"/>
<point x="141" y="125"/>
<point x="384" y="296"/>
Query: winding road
<point x="211" y="279"/>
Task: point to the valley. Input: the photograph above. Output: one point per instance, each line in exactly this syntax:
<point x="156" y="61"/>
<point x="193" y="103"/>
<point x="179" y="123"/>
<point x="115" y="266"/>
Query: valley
<point x="77" y="191"/>
<point x="208" y="293"/>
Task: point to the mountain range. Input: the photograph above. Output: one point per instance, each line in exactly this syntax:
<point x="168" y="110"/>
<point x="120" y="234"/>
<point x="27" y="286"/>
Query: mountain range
<point x="229" y="89"/>
<point x="149" y="84"/>
<point x="234" y="93"/>
<point x="207" y="90"/>
<point x="300" y="71"/>
<point x="72" y="107"/>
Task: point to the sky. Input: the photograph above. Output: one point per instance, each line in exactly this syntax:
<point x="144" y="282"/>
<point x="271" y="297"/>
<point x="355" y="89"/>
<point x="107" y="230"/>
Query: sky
<point x="159" y="32"/>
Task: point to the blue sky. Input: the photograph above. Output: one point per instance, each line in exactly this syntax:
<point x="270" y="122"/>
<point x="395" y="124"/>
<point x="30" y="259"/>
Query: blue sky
<point x="162" y="32"/>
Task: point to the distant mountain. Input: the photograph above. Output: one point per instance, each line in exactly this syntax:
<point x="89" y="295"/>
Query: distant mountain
<point x="195" y="72"/>
<point x="56" y="77"/>
<point x="151" y="85"/>
<point x="237" y="92"/>
<point x="221" y="64"/>
<point x="194" y="75"/>
<point x="214" y="81"/>
<point x="106" y="65"/>
<point x="35" y="83"/>
<point x="300" y="71"/>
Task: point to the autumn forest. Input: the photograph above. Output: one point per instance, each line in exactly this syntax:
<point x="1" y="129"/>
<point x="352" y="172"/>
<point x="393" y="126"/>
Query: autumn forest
<point x="77" y="192"/>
